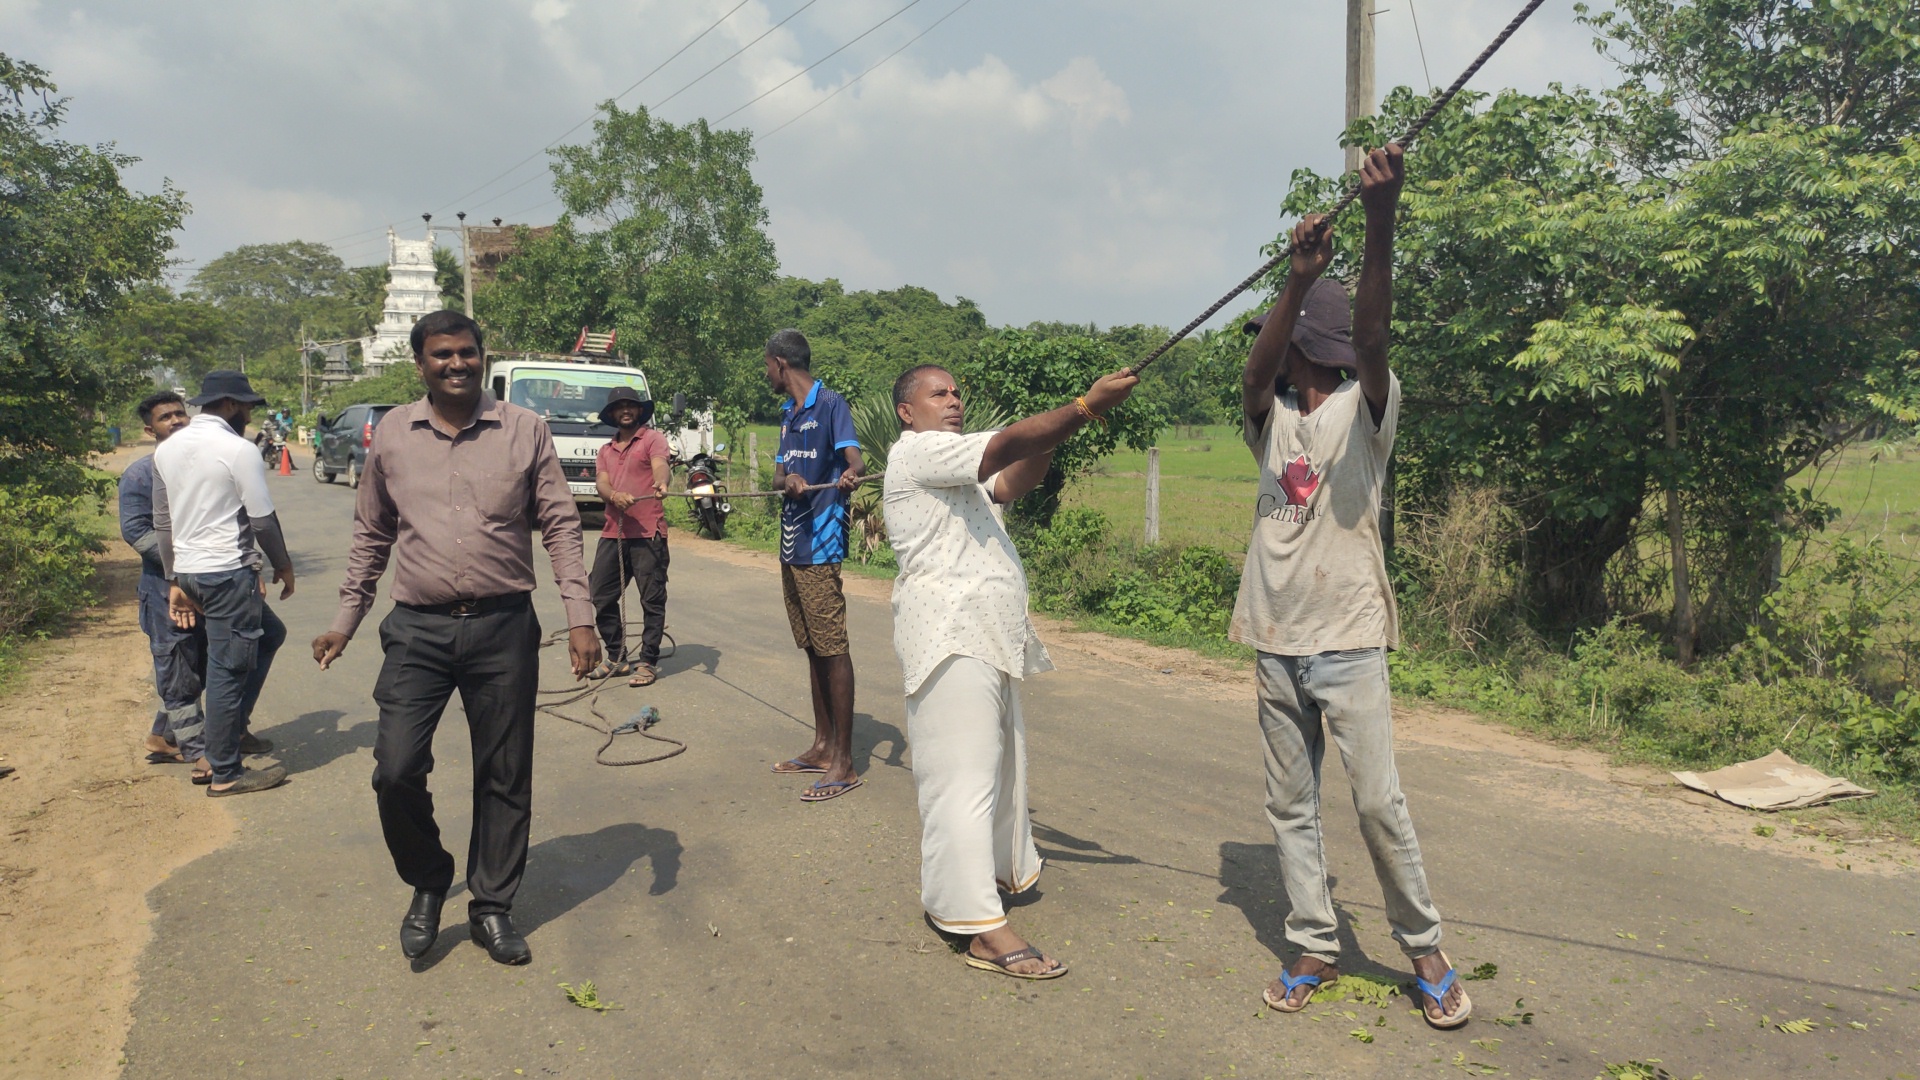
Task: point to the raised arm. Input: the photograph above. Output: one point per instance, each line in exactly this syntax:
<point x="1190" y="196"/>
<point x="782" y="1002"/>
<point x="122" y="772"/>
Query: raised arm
<point x="1380" y="179"/>
<point x="1014" y="449"/>
<point x="1312" y="251"/>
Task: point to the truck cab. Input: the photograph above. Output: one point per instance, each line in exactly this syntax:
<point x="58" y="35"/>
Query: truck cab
<point x="568" y="392"/>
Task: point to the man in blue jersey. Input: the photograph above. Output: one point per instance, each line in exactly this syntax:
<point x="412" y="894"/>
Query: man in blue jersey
<point x="817" y="466"/>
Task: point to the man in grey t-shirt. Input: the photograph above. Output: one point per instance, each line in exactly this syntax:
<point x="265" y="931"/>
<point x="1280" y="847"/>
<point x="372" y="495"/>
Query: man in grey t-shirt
<point x="1321" y="410"/>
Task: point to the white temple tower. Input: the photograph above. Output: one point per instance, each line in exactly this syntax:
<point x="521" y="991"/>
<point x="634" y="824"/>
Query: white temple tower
<point x="411" y="293"/>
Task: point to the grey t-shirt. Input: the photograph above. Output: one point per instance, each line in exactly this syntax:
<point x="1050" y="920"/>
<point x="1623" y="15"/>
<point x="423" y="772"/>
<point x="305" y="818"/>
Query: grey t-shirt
<point x="1316" y="576"/>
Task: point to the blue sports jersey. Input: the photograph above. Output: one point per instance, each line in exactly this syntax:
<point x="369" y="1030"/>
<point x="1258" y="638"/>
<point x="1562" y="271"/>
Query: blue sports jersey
<point x="813" y="530"/>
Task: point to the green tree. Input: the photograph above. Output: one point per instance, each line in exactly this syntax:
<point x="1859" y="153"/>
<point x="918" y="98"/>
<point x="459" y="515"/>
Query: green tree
<point x="1020" y="373"/>
<point x="73" y="242"/>
<point x="1643" y="313"/>
<point x="663" y="238"/>
<point x="450" y="276"/>
<point x="152" y="330"/>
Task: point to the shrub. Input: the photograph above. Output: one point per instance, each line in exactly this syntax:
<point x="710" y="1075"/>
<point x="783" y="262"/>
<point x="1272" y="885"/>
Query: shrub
<point x="46" y="561"/>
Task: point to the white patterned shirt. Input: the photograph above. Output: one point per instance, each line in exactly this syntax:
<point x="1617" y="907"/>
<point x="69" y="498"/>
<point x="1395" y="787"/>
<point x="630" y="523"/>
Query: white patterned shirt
<point x="961" y="590"/>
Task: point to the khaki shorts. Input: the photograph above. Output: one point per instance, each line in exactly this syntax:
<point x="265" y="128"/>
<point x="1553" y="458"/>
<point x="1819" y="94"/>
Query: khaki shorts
<point x="816" y="607"/>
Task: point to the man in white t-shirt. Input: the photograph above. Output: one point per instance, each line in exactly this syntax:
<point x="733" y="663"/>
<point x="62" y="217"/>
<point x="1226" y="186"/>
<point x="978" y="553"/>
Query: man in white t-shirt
<point x="210" y="506"/>
<point x="960" y="626"/>
<point x="1321" y="408"/>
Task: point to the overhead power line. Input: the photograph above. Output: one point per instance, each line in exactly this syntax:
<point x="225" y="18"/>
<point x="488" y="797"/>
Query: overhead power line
<point x="822" y="60"/>
<point x="697" y="38"/>
<point x="836" y="92"/>
<point x="735" y="54"/>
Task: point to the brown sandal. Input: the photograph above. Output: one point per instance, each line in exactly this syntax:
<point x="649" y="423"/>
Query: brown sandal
<point x="643" y="675"/>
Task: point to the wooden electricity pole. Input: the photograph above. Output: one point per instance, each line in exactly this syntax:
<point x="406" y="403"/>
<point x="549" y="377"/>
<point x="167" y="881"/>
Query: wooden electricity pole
<point x="1360" y="99"/>
<point x="1153" y="496"/>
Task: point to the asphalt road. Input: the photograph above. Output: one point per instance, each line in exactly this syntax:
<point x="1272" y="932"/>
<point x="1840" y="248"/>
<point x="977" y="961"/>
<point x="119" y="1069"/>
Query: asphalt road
<point x="742" y="933"/>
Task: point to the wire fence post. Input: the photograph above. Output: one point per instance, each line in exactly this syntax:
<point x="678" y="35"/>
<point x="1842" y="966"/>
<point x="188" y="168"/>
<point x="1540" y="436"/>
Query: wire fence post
<point x="753" y="460"/>
<point x="1153" y="495"/>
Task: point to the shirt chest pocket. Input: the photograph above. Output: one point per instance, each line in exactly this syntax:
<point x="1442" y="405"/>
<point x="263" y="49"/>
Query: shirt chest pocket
<point x="500" y="497"/>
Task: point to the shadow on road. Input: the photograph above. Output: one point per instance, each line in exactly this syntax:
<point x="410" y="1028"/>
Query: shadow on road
<point x="1250" y="874"/>
<point x="313" y="740"/>
<point x="689" y="657"/>
<point x="869" y="733"/>
<point x="565" y="871"/>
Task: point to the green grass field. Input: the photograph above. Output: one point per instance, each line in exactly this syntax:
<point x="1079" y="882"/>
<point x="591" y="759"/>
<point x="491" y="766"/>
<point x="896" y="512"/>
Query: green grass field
<point x="1208" y="484"/>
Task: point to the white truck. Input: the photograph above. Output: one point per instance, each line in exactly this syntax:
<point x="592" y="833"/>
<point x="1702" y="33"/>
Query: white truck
<point x="568" y="390"/>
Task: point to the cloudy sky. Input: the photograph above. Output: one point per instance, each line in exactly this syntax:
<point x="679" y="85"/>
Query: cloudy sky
<point x="1109" y="161"/>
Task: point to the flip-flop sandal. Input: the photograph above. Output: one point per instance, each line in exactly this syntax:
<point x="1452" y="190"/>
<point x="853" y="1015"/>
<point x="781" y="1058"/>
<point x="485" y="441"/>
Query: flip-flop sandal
<point x="801" y="768"/>
<point x="1438" y="992"/>
<point x="818" y="792"/>
<point x="608" y="670"/>
<point x="643" y="675"/>
<point x="1290" y="983"/>
<point x="1003" y="964"/>
<point x="202" y="779"/>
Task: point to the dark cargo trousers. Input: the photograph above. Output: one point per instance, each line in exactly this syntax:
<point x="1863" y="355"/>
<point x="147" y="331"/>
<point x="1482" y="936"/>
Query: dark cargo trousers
<point x="646" y="565"/>
<point x="242" y="636"/>
<point x="179" y="670"/>
<point x="493" y="660"/>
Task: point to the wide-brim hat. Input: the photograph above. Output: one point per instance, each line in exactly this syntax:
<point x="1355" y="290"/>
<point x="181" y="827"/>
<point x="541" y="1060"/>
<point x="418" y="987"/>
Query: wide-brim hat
<point x="1324" y="330"/>
<point x="224" y="386"/>
<point x="621" y="394"/>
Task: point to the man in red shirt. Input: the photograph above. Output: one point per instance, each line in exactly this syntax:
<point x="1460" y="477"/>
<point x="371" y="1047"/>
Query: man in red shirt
<point x="631" y="475"/>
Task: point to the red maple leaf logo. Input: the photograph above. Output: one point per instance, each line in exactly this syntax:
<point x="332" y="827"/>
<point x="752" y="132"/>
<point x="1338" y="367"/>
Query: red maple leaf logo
<point x="1298" y="480"/>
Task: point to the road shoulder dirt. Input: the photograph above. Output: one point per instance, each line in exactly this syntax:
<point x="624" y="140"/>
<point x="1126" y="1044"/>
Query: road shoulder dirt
<point x="90" y="829"/>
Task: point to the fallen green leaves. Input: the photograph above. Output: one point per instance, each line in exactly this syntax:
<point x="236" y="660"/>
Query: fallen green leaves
<point x="1795" y="1027"/>
<point x="1482" y="973"/>
<point x="1361" y="1034"/>
<point x="1519" y="1015"/>
<point x="587" y="996"/>
<point x="1636" y="1070"/>
<point x="1365" y="989"/>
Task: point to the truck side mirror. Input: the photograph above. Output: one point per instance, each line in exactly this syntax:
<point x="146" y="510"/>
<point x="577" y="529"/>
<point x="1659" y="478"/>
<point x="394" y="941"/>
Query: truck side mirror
<point x="679" y="403"/>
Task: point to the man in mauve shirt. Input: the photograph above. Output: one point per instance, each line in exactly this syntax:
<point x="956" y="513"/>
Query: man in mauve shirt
<point x="630" y="472"/>
<point x="454" y="485"/>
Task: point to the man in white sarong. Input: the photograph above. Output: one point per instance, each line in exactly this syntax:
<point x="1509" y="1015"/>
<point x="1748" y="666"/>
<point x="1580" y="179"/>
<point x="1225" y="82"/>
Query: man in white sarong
<point x="961" y="629"/>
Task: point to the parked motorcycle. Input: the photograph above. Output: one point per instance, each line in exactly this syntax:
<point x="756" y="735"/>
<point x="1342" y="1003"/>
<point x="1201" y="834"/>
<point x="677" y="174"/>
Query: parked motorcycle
<point x="710" y="505"/>
<point x="272" y="439"/>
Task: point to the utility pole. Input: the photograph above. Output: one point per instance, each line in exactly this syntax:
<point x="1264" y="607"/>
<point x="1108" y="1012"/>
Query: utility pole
<point x="466" y="262"/>
<point x="1360" y="99"/>
<point x="306" y="387"/>
<point x="1152" y="535"/>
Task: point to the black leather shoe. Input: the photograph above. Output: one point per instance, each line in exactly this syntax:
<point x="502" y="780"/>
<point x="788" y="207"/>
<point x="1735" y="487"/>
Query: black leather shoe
<point x="422" y="924"/>
<point x="495" y="933"/>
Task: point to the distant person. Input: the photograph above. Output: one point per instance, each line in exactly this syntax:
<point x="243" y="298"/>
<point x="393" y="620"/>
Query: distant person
<point x="960" y="626"/>
<point x="817" y="449"/>
<point x="454" y="485"/>
<point x="179" y="655"/>
<point x="1315" y="601"/>
<point x="210" y="506"/>
<point x="630" y="472"/>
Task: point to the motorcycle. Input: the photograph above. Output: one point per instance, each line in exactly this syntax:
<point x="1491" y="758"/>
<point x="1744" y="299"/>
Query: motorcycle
<point x="271" y="440"/>
<point x="710" y="505"/>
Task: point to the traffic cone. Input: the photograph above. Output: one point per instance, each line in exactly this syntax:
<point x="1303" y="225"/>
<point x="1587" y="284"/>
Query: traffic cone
<point x="286" y="462"/>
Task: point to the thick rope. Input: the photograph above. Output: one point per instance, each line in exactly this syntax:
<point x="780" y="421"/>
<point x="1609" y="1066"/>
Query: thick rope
<point x="591" y="695"/>
<point x="1353" y="192"/>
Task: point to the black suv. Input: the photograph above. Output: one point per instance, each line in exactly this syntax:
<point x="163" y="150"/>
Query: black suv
<point x="340" y="446"/>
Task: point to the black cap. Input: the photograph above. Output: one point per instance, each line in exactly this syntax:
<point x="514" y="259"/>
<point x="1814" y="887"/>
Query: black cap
<point x="1324" y="330"/>
<point x="226" y="385"/>
<point x="625" y="393"/>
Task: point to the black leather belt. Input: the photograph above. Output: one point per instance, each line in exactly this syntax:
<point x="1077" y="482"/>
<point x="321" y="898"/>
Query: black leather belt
<point x="485" y="605"/>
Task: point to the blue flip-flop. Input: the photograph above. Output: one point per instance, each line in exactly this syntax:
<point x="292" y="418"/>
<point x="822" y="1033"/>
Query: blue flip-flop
<point x="1438" y="992"/>
<point x="823" y="790"/>
<point x="1291" y="983"/>
<point x="804" y="768"/>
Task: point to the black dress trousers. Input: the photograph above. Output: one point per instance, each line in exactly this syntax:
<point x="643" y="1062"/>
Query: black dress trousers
<point x="493" y="660"/>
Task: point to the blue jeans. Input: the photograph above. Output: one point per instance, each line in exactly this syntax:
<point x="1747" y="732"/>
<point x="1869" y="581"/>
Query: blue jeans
<point x="242" y="636"/>
<point x="1348" y="690"/>
<point x="179" y="670"/>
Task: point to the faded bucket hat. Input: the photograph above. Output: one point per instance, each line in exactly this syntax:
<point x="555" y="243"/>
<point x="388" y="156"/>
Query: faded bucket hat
<point x="1324" y="330"/>
<point x="224" y="385"/>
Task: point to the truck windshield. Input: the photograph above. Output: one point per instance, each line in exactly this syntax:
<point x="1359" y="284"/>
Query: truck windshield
<point x="570" y="394"/>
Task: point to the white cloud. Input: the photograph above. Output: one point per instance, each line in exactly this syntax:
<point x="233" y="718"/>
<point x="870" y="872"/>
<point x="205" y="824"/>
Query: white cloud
<point x="1108" y="160"/>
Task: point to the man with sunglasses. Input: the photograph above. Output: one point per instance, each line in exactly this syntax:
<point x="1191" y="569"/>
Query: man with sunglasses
<point x="453" y="487"/>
